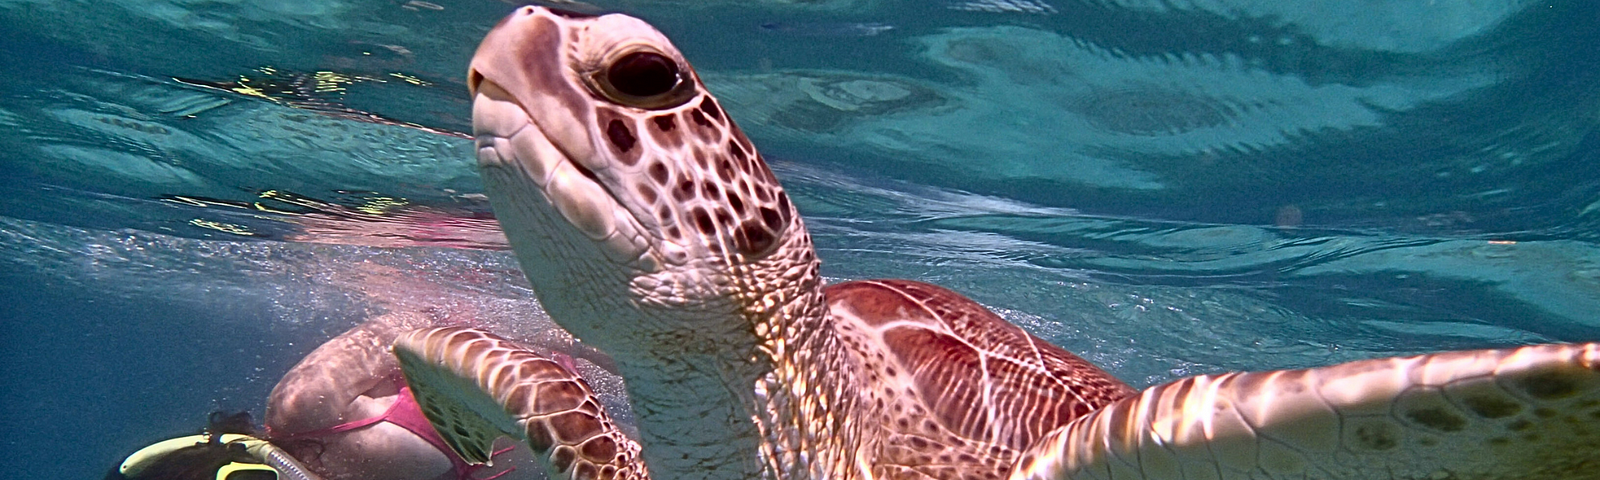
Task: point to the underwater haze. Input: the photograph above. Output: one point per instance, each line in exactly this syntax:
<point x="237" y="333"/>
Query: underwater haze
<point x="196" y="194"/>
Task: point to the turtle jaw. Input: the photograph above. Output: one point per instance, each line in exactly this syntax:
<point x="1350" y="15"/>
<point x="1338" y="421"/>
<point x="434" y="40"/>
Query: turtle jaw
<point x="529" y="122"/>
<point x="517" y="154"/>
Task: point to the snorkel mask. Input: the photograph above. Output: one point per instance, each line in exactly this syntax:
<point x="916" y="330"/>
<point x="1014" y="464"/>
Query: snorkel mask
<point x="261" y="460"/>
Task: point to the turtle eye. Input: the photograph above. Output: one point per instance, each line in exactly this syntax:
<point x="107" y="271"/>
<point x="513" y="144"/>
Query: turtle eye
<point x="643" y="79"/>
<point x="643" y="74"/>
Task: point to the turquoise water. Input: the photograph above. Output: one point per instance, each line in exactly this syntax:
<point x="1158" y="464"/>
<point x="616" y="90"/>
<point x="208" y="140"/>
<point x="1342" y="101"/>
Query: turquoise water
<point x="1167" y="188"/>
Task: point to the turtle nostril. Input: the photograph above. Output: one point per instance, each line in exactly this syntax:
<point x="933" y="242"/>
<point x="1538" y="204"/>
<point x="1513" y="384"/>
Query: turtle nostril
<point x="473" y="79"/>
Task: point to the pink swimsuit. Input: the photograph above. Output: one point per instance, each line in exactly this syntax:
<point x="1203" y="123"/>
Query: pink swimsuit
<point x="405" y="413"/>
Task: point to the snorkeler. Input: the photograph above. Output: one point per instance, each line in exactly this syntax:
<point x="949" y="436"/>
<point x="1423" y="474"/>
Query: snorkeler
<point x="346" y="412"/>
<point x="342" y="413"/>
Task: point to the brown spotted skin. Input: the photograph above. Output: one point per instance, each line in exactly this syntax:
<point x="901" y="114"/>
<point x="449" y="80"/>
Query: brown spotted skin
<point x="547" y="404"/>
<point x="727" y="190"/>
<point x="961" y="391"/>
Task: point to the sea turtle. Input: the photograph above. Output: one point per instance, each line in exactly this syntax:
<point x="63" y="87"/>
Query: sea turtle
<point x="652" y="229"/>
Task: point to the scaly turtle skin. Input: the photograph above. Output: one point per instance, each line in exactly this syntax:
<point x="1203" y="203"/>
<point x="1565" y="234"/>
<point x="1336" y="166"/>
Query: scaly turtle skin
<point x="651" y="229"/>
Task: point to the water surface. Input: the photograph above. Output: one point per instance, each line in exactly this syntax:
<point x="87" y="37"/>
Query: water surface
<point x="194" y="194"/>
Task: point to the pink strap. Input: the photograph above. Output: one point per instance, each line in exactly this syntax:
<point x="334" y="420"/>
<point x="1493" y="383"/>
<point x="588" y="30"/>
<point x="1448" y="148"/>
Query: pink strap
<point x="405" y="413"/>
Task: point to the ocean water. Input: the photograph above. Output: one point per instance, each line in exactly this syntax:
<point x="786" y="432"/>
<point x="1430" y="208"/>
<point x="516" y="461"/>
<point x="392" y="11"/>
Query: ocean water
<point x="193" y="195"/>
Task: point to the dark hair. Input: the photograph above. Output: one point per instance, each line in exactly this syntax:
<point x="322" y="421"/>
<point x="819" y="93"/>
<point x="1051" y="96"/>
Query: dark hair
<point x="220" y="422"/>
<point x="200" y="461"/>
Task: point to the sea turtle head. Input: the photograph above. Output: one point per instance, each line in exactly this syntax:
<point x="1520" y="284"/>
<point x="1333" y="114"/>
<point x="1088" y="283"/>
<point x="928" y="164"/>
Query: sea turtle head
<point x="622" y="185"/>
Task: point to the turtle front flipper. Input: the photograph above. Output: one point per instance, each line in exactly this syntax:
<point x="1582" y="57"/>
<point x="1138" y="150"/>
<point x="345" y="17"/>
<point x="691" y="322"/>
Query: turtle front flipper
<point x="474" y="387"/>
<point x="1523" y="413"/>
